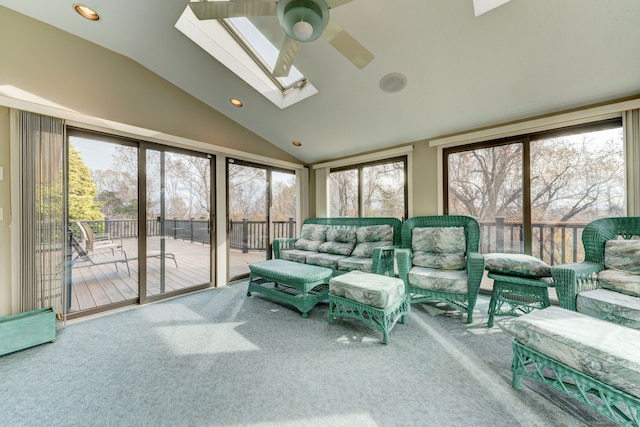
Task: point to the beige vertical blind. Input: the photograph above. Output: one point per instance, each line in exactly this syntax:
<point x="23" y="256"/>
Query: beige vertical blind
<point x="43" y="237"/>
<point x="632" y="144"/>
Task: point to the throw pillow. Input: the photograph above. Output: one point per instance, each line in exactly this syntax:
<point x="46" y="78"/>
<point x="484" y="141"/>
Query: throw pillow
<point x="371" y="237"/>
<point x="521" y="265"/>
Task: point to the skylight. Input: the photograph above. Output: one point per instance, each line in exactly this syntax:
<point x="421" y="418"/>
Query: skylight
<point x="242" y="48"/>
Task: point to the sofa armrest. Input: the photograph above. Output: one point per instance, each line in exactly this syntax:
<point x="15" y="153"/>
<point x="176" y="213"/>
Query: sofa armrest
<point x="570" y="279"/>
<point x="282" y="243"/>
<point x="403" y="258"/>
<point x="383" y="260"/>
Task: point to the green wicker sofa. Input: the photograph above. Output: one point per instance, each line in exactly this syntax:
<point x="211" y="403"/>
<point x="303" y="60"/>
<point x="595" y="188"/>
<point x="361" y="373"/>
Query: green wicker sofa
<point x="607" y="284"/>
<point x="439" y="260"/>
<point x="344" y="244"/>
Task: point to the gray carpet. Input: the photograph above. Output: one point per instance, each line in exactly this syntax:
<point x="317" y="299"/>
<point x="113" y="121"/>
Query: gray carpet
<point x="219" y="358"/>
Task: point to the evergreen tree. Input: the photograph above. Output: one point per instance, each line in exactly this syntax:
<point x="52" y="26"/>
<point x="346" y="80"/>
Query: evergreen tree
<point x="82" y="190"/>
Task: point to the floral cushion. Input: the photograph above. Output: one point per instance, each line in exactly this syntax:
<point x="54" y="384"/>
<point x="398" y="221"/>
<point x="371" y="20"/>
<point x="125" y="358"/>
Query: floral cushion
<point x="451" y="281"/>
<point x="371" y="289"/>
<point x="620" y="281"/>
<point x="521" y="265"/>
<point x="296" y="255"/>
<point x="356" y="263"/>
<point x="340" y="241"/>
<point x="611" y="306"/>
<point x="622" y="255"/>
<point x="324" y="260"/>
<point x="439" y="247"/>
<point x="602" y="350"/>
<point x="311" y="237"/>
<point x="371" y="237"/>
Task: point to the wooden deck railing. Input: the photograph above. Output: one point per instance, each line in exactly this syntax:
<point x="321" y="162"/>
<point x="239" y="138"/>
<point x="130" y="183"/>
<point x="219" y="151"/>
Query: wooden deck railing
<point x="244" y="234"/>
<point x="553" y="242"/>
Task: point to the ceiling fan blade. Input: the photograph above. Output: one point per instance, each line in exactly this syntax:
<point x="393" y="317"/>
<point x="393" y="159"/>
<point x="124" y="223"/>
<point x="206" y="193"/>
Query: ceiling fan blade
<point x="285" y="58"/>
<point x="484" y="6"/>
<point x="344" y="43"/>
<point x="335" y="3"/>
<point x="232" y="9"/>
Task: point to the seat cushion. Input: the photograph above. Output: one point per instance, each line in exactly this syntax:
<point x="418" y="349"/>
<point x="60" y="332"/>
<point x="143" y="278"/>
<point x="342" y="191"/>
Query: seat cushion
<point x="439" y="247"/>
<point x="296" y="255"/>
<point x="356" y="263"/>
<point x="602" y="350"/>
<point x="324" y="260"/>
<point x="620" y="281"/>
<point x="520" y="265"/>
<point x="371" y="237"/>
<point x="611" y="306"/>
<point x="371" y="289"/>
<point x="340" y="241"/>
<point x="450" y="281"/>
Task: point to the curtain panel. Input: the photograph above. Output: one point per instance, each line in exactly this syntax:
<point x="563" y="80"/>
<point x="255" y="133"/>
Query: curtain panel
<point x="41" y="220"/>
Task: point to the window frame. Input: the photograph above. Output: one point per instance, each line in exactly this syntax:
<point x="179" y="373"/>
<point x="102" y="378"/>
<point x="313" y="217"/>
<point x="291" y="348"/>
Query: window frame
<point x="359" y="167"/>
<point x="525" y="139"/>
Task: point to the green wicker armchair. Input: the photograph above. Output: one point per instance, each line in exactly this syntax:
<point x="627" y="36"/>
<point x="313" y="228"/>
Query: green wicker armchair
<point x="570" y="279"/>
<point x="439" y="260"/>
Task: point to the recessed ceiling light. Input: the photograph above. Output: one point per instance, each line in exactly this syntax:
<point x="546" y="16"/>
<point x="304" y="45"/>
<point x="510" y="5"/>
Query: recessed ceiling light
<point x="235" y="102"/>
<point x="297" y="143"/>
<point x="86" y="12"/>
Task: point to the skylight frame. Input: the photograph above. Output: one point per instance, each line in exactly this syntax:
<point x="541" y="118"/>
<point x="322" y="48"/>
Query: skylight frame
<point x="242" y="38"/>
<point x="212" y="36"/>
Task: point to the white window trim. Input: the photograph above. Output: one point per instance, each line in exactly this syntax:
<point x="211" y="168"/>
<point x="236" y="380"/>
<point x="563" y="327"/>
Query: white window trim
<point x="538" y="124"/>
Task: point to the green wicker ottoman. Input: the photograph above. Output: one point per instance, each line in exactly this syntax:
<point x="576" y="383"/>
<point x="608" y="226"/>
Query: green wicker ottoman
<point x="379" y="301"/>
<point x="590" y="359"/>
<point x="513" y="296"/>
<point x="300" y="285"/>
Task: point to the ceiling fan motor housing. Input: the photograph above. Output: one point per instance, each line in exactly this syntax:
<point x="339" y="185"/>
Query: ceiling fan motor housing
<point x="313" y="12"/>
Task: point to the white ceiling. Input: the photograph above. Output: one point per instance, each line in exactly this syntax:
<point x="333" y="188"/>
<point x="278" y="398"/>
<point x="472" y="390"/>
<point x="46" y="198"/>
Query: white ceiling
<point x="523" y="59"/>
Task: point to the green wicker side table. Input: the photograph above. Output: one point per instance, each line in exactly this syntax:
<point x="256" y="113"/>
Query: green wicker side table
<point x="379" y="301"/>
<point x="300" y="285"/>
<point x="513" y="296"/>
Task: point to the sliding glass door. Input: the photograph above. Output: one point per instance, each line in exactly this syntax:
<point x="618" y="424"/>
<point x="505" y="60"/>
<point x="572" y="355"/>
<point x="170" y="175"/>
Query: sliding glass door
<point x="118" y="259"/>
<point x="261" y="206"/>
<point x="178" y="221"/>
<point x="103" y="221"/>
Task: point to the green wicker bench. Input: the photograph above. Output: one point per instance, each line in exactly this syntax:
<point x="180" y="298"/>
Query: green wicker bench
<point x="377" y="300"/>
<point x="300" y="285"/>
<point x="344" y="244"/>
<point x="590" y="359"/>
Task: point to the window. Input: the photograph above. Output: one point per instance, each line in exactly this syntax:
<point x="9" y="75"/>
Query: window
<point x="535" y="193"/>
<point x="240" y="46"/>
<point x="370" y="189"/>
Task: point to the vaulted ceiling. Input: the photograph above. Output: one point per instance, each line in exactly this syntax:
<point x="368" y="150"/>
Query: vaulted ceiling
<point x="523" y="59"/>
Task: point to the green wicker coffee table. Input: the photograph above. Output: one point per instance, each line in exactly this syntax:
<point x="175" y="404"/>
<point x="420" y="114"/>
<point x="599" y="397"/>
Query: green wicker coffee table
<point x="300" y="285"/>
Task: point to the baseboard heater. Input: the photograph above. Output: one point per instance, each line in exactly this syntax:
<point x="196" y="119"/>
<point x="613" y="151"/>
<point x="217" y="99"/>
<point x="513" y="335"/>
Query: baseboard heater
<point x="24" y="330"/>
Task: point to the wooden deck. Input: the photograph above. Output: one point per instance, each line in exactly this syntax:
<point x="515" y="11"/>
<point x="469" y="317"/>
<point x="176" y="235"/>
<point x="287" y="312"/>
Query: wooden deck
<point x="94" y="286"/>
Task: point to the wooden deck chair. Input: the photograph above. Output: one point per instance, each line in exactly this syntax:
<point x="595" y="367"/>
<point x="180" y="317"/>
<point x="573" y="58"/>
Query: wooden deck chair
<point x="84" y="259"/>
<point x="93" y="244"/>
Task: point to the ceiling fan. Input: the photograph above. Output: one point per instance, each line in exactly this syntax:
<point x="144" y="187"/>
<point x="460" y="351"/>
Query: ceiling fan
<point x="484" y="6"/>
<point x="302" y="20"/>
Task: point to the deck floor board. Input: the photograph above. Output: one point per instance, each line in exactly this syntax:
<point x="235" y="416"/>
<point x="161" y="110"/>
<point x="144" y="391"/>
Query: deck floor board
<point x="94" y="286"/>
